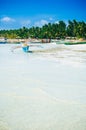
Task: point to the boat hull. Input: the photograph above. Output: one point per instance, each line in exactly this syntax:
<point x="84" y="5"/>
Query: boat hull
<point x="74" y="43"/>
<point x="3" y="42"/>
<point x="25" y="48"/>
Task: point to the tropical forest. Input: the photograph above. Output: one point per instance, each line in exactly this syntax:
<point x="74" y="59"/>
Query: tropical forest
<point x="51" y="31"/>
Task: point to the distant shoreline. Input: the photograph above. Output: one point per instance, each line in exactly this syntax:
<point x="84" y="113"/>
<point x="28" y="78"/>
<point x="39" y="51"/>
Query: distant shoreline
<point x="66" y="41"/>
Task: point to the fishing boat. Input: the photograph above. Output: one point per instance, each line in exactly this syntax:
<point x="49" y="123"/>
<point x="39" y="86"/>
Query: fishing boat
<point x="3" y="42"/>
<point x="74" y="43"/>
<point x="25" y="47"/>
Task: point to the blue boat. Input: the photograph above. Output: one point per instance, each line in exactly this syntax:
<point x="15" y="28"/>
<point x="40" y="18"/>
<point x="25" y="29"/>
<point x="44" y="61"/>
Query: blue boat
<point x="25" y="48"/>
<point x="3" y="42"/>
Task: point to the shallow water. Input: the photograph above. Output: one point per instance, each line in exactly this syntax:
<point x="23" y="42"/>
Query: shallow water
<point x="44" y="89"/>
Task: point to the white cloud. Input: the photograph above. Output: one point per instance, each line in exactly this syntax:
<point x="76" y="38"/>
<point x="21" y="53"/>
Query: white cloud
<point x="25" y="22"/>
<point x="41" y="23"/>
<point x="7" y="19"/>
<point x="57" y="22"/>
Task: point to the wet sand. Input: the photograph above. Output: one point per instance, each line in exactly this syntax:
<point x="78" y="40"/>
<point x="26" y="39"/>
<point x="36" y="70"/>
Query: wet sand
<point x="42" y="90"/>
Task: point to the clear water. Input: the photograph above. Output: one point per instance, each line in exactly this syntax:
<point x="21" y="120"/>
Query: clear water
<point x="44" y="89"/>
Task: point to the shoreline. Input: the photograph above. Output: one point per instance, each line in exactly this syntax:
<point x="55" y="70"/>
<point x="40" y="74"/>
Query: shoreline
<point x="33" y="40"/>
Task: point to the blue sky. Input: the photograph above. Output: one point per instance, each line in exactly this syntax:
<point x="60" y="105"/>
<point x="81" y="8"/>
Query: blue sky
<point x="18" y="13"/>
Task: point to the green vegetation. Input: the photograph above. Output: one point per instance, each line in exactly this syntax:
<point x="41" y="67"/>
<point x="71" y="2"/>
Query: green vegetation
<point x="54" y="30"/>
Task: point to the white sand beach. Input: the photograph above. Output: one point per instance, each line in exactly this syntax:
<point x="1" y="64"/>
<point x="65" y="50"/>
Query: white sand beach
<point x="44" y="89"/>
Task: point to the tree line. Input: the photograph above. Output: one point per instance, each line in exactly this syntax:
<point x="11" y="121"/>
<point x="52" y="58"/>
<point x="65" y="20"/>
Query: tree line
<point x="49" y="31"/>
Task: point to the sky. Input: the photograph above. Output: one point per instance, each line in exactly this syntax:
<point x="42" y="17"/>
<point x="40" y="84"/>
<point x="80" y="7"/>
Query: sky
<point x="16" y="14"/>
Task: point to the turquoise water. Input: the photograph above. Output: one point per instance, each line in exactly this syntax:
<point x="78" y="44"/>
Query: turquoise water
<point x="44" y="89"/>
